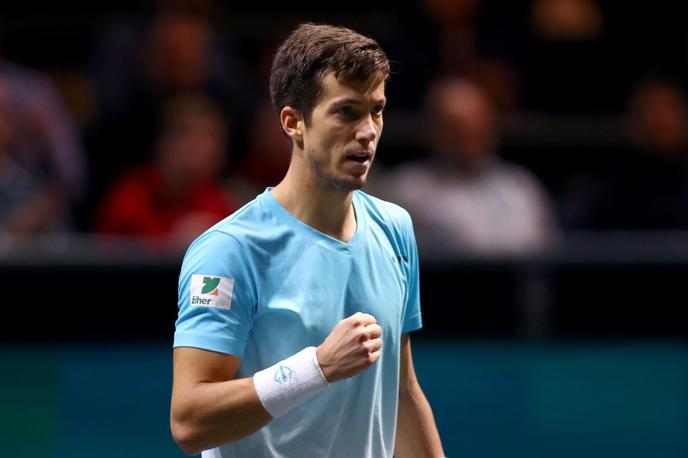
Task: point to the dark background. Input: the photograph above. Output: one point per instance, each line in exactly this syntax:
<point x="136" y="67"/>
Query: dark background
<point x="579" y="352"/>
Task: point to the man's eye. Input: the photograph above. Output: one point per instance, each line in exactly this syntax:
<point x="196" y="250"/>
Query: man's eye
<point x="346" y="112"/>
<point x="377" y="111"/>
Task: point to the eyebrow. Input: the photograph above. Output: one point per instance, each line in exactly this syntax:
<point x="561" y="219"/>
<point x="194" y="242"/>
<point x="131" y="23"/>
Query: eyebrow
<point x="351" y="100"/>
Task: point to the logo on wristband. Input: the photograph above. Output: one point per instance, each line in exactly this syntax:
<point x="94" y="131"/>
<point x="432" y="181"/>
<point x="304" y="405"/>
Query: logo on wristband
<point x="283" y="375"/>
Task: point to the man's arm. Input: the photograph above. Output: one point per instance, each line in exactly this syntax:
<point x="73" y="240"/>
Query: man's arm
<point x="417" y="434"/>
<point x="210" y="407"/>
<point x="207" y="401"/>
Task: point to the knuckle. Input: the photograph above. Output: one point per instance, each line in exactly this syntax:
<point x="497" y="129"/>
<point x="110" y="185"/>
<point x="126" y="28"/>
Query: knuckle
<point x="373" y="345"/>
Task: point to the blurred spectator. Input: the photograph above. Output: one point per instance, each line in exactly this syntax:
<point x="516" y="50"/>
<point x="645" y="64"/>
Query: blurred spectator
<point x="139" y="67"/>
<point x="268" y="153"/>
<point x="478" y="38"/>
<point x="45" y="141"/>
<point x="566" y="19"/>
<point x="455" y="20"/>
<point x="567" y="65"/>
<point x="464" y="198"/>
<point x="178" y="194"/>
<point x="649" y="189"/>
<point x="30" y="203"/>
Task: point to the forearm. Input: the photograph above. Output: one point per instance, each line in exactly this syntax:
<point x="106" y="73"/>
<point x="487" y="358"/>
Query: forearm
<point x="216" y="413"/>
<point x="210" y="407"/>
<point x="417" y="434"/>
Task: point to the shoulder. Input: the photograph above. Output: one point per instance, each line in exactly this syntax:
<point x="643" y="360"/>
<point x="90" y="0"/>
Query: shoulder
<point x="219" y="253"/>
<point x="425" y="169"/>
<point x="392" y="218"/>
<point x="232" y="231"/>
<point x="515" y="172"/>
<point x="517" y="178"/>
<point x="383" y="209"/>
<point x="241" y="232"/>
<point x="410" y="182"/>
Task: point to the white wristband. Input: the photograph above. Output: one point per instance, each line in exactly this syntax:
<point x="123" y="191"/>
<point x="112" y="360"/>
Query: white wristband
<point x="290" y="382"/>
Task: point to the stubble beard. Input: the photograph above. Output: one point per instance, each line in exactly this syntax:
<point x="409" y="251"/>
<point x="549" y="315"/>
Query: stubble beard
<point x="332" y="181"/>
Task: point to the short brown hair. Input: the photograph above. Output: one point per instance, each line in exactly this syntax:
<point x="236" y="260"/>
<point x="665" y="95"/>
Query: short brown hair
<point x="312" y="51"/>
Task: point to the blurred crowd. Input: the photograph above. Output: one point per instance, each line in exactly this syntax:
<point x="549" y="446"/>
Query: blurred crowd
<point x="161" y="126"/>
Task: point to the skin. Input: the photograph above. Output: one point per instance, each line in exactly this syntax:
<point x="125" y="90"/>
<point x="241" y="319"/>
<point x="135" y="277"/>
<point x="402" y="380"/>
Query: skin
<point x="417" y="434"/>
<point x="209" y="406"/>
<point x="464" y="124"/>
<point x="317" y="188"/>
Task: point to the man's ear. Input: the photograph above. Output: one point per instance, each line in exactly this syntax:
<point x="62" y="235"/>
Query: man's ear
<point x="292" y="123"/>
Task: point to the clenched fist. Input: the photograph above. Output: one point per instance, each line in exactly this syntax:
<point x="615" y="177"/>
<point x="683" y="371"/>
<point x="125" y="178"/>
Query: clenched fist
<point x="352" y="347"/>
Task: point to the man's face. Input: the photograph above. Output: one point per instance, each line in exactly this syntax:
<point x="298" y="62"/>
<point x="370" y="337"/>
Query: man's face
<point x="465" y="125"/>
<point x="193" y="149"/>
<point x="340" y="140"/>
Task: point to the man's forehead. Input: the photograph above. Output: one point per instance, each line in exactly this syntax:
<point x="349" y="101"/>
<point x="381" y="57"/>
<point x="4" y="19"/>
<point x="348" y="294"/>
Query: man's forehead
<point x="340" y="89"/>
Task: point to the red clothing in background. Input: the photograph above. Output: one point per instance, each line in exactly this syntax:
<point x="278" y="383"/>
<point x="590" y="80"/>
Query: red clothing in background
<point x="136" y="206"/>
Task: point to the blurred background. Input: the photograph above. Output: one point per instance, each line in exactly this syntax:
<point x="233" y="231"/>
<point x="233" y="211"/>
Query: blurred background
<point x="540" y="146"/>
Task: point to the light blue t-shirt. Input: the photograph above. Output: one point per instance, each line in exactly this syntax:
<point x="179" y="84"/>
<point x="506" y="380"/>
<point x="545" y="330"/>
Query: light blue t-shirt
<point x="263" y="285"/>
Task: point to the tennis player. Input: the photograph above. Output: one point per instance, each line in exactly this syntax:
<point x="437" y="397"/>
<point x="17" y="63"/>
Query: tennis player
<point x="294" y="312"/>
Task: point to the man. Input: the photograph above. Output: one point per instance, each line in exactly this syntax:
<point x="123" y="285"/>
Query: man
<point x="490" y="206"/>
<point x="177" y="194"/>
<point x="292" y="337"/>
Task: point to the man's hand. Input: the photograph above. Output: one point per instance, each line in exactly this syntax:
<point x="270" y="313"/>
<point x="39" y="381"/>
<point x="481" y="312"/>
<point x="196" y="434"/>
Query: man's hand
<point x="352" y="347"/>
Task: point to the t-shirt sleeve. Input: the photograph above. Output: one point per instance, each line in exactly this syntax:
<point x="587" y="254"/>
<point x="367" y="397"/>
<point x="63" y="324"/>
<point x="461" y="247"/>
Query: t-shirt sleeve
<point x="412" y="316"/>
<point x="216" y="296"/>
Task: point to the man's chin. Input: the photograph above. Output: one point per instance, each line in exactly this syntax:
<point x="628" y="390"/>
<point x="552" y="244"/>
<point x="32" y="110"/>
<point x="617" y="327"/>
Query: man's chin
<point x="343" y="180"/>
<point x="348" y="184"/>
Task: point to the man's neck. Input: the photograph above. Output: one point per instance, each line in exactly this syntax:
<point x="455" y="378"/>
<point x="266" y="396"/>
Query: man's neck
<point x="329" y="211"/>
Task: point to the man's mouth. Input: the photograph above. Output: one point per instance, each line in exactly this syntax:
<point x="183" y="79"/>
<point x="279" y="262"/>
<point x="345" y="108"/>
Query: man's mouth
<point x="359" y="157"/>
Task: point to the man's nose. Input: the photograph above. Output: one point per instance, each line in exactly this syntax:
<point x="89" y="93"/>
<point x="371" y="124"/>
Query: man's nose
<point x="366" y="131"/>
